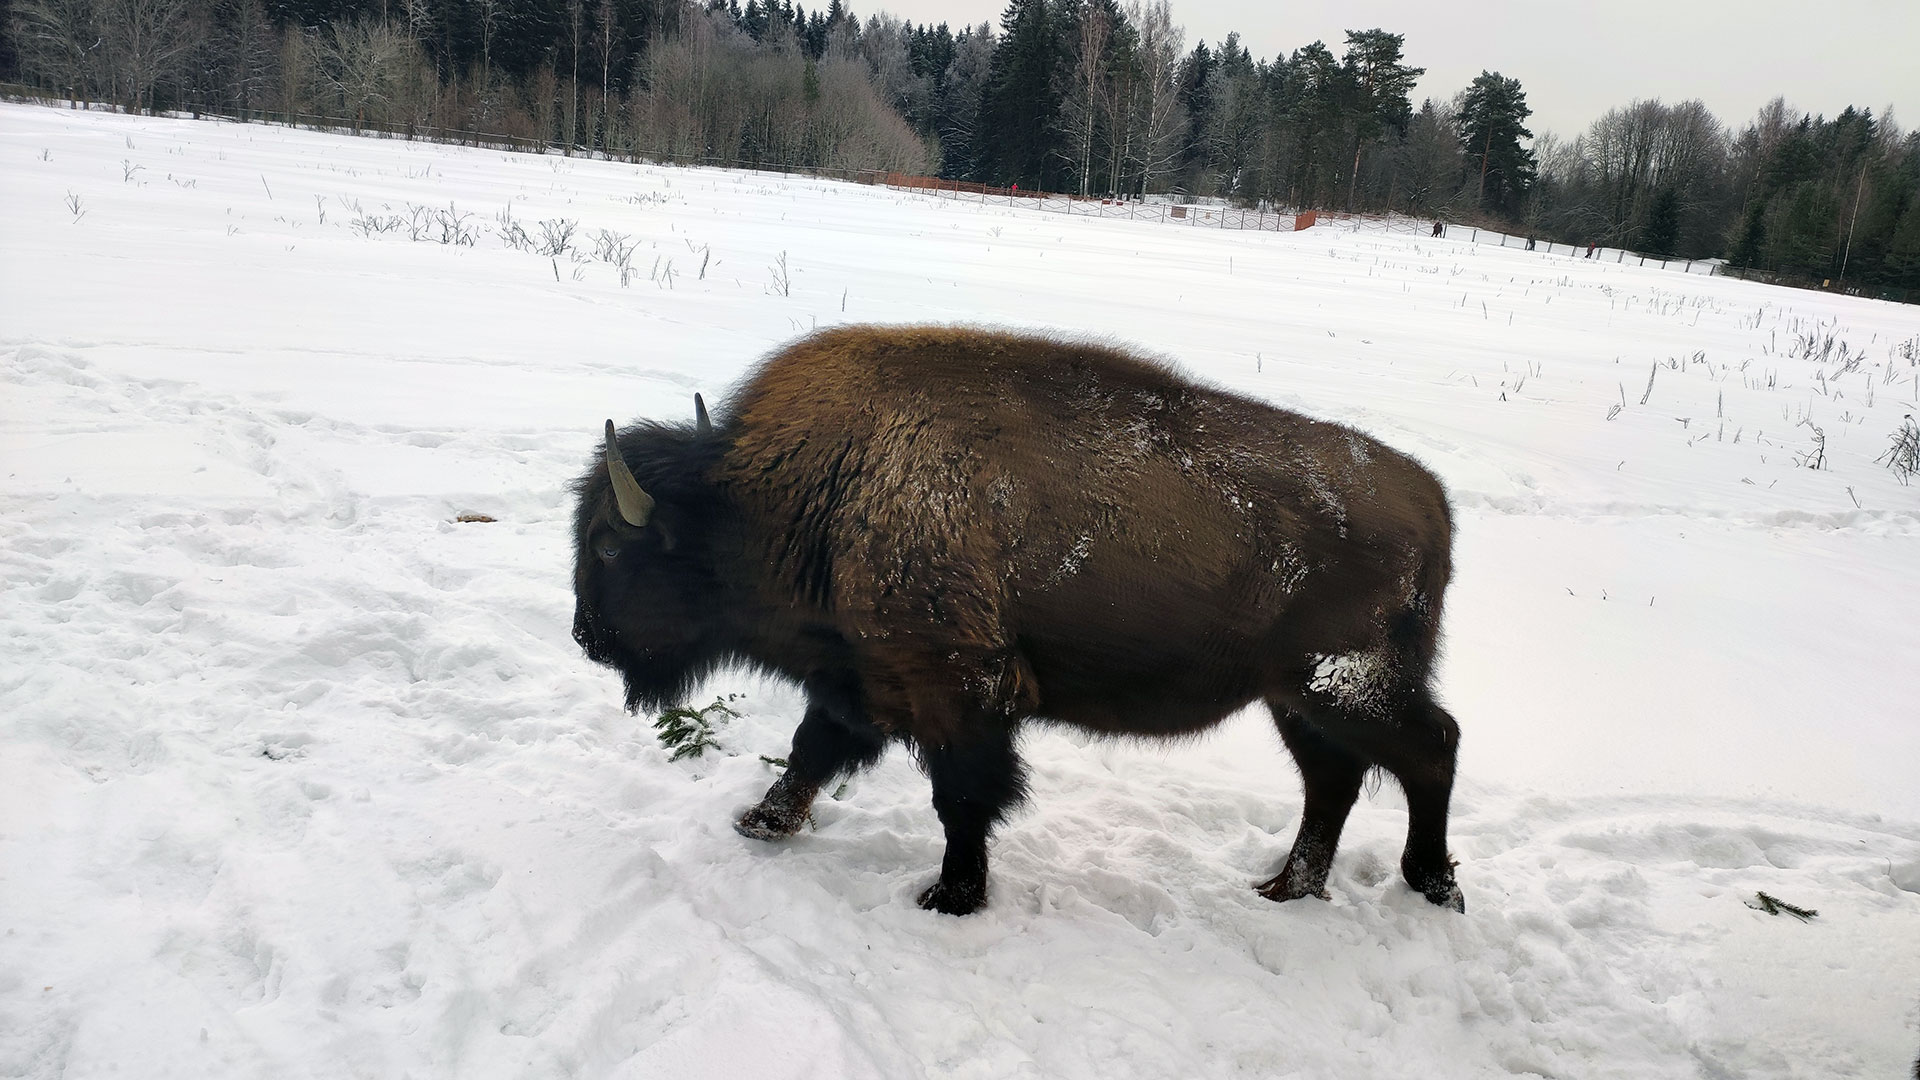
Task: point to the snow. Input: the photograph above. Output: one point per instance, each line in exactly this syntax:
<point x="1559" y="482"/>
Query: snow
<point x="300" y="777"/>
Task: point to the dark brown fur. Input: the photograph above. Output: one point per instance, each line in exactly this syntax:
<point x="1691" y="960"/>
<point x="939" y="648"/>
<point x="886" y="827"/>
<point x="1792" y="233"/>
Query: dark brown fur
<point x="942" y="532"/>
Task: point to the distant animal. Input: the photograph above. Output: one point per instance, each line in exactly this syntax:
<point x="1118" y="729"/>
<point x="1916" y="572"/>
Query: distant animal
<point x="940" y="533"/>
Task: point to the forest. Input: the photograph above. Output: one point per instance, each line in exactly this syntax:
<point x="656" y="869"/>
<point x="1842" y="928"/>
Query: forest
<point x="1086" y="97"/>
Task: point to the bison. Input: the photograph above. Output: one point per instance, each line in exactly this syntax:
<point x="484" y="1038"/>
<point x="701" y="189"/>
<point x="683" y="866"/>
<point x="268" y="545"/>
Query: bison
<point x="939" y="533"/>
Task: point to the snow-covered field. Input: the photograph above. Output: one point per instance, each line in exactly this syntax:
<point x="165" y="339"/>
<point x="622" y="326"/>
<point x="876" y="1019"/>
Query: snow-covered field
<point x="300" y="777"/>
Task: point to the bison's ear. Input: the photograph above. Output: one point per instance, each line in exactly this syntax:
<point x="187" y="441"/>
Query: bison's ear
<point x="634" y="503"/>
<point x="701" y="425"/>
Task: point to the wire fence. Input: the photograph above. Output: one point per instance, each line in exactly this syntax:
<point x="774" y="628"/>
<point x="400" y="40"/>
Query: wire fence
<point x="1130" y="208"/>
<point x="1474" y="234"/>
<point x="1196" y="215"/>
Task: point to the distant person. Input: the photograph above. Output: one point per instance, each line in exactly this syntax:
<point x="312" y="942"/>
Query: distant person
<point x="1529" y="243"/>
<point x="1591" y="244"/>
<point x="1439" y="228"/>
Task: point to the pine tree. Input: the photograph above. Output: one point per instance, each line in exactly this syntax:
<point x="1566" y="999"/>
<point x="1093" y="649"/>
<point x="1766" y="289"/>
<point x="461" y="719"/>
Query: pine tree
<point x="1316" y="106"/>
<point x="1381" y="84"/>
<point x="1491" y="127"/>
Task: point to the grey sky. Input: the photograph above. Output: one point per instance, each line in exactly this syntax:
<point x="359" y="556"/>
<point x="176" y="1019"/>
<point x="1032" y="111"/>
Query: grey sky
<point x="1576" y="60"/>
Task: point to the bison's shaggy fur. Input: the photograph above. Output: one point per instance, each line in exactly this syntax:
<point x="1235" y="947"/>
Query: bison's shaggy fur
<point x="942" y="532"/>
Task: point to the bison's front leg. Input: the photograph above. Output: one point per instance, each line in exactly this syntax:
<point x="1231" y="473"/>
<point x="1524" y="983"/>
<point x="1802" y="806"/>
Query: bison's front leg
<point x="781" y="811"/>
<point x="832" y="739"/>
<point x="977" y="777"/>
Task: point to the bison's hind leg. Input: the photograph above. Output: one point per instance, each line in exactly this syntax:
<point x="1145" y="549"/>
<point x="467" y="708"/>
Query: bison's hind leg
<point x="976" y="780"/>
<point x="1330" y="777"/>
<point x="1354" y="711"/>
<point x="1424" y="767"/>
<point x="831" y="741"/>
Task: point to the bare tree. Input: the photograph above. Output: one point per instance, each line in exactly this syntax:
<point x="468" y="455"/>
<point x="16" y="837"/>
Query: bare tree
<point x="59" y="42"/>
<point x="709" y="91"/>
<point x="1081" y="107"/>
<point x="1162" y="121"/>
<point x="491" y="14"/>
<point x="604" y="25"/>
<point x="362" y="62"/>
<point x="966" y="83"/>
<point x="576" y="23"/>
<point x="252" y="54"/>
<point x="883" y="46"/>
<point x="147" y="39"/>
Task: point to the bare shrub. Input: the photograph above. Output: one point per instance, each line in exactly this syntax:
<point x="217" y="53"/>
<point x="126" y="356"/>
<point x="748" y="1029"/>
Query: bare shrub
<point x="1903" y="457"/>
<point x="511" y="232"/>
<point x="376" y="224"/>
<point x="556" y="236"/>
<point x="782" y="277"/>
<point x="456" y="226"/>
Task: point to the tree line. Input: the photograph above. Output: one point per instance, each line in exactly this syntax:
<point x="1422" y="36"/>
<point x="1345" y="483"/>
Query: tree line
<point x="1092" y="97"/>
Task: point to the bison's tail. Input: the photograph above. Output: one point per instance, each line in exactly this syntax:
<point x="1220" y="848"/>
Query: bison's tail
<point x="1416" y="629"/>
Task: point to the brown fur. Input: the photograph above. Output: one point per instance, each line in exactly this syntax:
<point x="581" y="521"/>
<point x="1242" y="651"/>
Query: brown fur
<point x="943" y="531"/>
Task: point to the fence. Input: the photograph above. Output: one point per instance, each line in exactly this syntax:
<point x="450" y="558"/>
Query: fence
<point x="1229" y="217"/>
<point x="1474" y="234"/>
<point x="1131" y="209"/>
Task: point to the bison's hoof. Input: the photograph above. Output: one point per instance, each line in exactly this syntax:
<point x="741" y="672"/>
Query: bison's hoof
<point x="960" y="899"/>
<point x="769" y="823"/>
<point x="1446" y="896"/>
<point x="1285" y="887"/>
<point x="1437" y="885"/>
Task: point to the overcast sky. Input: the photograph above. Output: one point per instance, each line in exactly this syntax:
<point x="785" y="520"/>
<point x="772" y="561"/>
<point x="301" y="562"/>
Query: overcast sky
<point x="1577" y="59"/>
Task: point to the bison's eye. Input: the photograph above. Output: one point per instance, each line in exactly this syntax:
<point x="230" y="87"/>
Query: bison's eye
<point x="609" y="552"/>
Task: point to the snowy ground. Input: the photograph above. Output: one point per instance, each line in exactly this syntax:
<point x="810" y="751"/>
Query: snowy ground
<point x="299" y="777"/>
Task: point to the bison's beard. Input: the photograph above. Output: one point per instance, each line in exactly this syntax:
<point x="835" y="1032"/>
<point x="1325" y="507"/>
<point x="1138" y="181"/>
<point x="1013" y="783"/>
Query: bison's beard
<point x="658" y="677"/>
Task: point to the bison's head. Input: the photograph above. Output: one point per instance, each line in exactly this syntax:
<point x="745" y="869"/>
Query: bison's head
<point x="648" y="597"/>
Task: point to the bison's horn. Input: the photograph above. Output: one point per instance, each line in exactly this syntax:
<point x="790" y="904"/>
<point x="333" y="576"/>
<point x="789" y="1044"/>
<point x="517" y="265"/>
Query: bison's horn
<point x="701" y="425"/>
<point x="634" y="503"/>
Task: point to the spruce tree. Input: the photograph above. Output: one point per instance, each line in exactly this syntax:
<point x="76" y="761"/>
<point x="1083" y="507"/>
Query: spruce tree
<point x="1196" y="100"/>
<point x="1663" y="223"/>
<point x="1903" y="250"/>
<point x="1022" y="101"/>
<point x="1752" y="240"/>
